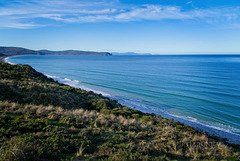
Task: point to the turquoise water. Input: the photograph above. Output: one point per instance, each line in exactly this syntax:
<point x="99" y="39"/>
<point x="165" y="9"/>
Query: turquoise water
<point x="203" y="91"/>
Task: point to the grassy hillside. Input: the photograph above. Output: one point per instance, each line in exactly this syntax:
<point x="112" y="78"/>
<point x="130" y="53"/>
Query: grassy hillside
<point x="41" y="119"/>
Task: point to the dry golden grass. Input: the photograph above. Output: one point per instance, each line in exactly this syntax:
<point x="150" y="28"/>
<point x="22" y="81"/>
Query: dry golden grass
<point x="139" y="132"/>
<point x="80" y="151"/>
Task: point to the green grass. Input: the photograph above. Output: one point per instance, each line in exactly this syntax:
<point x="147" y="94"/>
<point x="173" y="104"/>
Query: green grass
<point x="41" y="119"/>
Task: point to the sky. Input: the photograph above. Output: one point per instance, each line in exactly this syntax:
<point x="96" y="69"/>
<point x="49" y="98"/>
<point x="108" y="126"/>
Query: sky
<point x="142" y="26"/>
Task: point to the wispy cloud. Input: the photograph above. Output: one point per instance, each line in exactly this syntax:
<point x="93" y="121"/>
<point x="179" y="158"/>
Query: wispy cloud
<point x="153" y="12"/>
<point x="27" y="14"/>
<point x="189" y="2"/>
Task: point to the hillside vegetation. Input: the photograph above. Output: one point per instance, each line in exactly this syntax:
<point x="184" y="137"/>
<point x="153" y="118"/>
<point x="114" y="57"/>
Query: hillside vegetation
<point x="41" y="119"/>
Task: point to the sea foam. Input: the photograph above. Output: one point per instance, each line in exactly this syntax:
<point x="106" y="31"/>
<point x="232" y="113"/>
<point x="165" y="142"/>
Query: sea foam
<point x="7" y="61"/>
<point x="76" y="84"/>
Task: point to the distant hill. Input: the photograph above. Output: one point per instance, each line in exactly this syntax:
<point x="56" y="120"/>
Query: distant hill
<point x="72" y="52"/>
<point x="12" y="51"/>
<point x="1" y="54"/>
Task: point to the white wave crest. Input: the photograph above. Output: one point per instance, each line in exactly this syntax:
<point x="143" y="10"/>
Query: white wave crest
<point x="76" y="84"/>
<point x="7" y="61"/>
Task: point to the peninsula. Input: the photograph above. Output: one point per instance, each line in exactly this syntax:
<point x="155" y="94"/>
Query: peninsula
<point x="14" y="51"/>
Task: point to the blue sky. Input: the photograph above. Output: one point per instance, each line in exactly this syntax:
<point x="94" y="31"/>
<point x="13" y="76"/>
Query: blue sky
<point x="143" y="26"/>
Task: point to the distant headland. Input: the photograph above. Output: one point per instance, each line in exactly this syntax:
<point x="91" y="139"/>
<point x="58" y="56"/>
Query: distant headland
<point x="13" y="51"/>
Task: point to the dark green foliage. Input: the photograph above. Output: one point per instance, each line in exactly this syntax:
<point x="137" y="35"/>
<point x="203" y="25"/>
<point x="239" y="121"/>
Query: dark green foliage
<point x="41" y="119"/>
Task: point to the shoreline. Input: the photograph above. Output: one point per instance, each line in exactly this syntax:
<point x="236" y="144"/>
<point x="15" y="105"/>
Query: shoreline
<point x="203" y="128"/>
<point x="5" y="59"/>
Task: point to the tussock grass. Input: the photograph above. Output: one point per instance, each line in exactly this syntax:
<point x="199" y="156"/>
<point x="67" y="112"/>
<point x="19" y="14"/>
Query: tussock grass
<point x="144" y="137"/>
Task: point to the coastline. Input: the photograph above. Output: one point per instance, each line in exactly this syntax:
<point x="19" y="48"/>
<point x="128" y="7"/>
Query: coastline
<point x="5" y="59"/>
<point x="197" y="125"/>
<point x="210" y="130"/>
<point x="204" y="128"/>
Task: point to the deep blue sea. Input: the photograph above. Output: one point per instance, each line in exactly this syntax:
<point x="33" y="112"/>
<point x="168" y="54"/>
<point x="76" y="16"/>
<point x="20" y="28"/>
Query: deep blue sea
<point x="202" y="90"/>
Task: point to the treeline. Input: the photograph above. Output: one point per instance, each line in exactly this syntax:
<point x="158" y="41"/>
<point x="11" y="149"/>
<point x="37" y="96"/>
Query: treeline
<point x="41" y="119"/>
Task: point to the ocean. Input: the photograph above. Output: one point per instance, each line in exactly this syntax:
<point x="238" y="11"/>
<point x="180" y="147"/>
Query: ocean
<point x="201" y="90"/>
